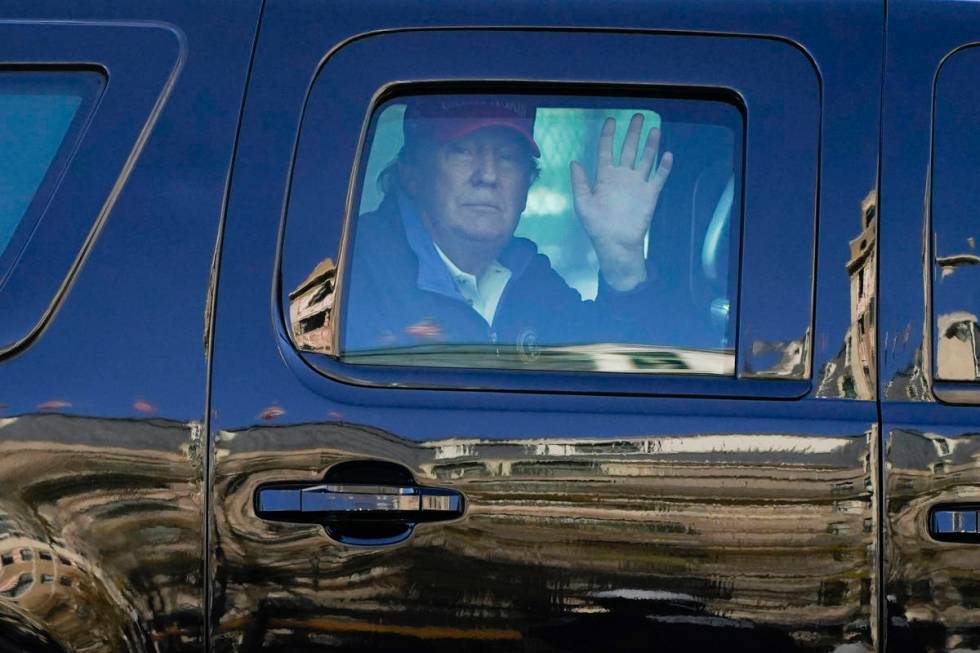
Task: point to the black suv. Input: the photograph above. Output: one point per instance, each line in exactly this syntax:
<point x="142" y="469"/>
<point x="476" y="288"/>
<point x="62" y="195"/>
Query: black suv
<point x="404" y="326"/>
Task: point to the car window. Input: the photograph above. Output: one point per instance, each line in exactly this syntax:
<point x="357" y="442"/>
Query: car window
<point x="538" y="232"/>
<point x="40" y="118"/>
<point x="956" y="225"/>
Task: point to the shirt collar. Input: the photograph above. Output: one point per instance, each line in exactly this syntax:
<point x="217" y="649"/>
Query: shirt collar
<point x="495" y="267"/>
<point x="433" y="274"/>
<point x="454" y="270"/>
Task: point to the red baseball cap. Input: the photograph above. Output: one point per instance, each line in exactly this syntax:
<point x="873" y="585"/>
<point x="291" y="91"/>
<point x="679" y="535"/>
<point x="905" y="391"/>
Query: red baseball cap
<point x="446" y="118"/>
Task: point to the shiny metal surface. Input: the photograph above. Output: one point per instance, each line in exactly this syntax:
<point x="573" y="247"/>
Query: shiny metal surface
<point x="767" y="538"/>
<point x="933" y="587"/>
<point x="100" y="530"/>
<point x="359" y="513"/>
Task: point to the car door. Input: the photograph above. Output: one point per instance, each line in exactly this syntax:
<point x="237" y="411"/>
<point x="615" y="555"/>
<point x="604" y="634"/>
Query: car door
<point x="516" y="496"/>
<point x="929" y="305"/>
<point x="117" y="125"/>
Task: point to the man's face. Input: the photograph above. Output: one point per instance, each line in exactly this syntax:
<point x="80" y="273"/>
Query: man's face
<point x="473" y="188"/>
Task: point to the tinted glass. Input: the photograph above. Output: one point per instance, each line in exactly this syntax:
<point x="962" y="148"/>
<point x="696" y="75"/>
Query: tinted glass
<point x="956" y="223"/>
<point x="539" y="232"/>
<point x="40" y="116"/>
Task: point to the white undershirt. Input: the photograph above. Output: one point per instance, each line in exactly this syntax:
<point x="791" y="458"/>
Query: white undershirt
<point x="483" y="292"/>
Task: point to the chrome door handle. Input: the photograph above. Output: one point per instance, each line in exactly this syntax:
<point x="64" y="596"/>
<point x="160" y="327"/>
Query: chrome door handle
<point x="955" y="523"/>
<point x="351" y="500"/>
<point x="359" y="513"/>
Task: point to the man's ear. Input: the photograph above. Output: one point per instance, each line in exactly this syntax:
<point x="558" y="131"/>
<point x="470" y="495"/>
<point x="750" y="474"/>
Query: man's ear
<point x="532" y="176"/>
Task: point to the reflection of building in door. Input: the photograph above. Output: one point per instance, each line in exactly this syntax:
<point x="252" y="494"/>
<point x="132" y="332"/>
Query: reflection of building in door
<point x="850" y="373"/>
<point x="650" y="516"/>
<point x="957" y="331"/>
<point x="100" y="532"/>
<point x="958" y="358"/>
<point x="310" y="305"/>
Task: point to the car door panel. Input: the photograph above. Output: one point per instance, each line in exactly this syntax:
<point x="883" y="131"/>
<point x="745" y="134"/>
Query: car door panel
<point x="929" y="414"/>
<point x="102" y="391"/>
<point x="592" y="518"/>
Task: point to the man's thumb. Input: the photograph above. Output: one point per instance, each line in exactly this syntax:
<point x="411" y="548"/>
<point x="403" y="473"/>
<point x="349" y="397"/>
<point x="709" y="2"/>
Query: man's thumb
<point x="580" y="183"/>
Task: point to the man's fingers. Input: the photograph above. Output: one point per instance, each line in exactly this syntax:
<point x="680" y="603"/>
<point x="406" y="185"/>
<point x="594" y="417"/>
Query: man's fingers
<point x="580" y="183"/>
<point x="663" y="170"/>
<point x="631" y="142"/>
<point x="606" y="142"/>
<point x="650" y="152"/>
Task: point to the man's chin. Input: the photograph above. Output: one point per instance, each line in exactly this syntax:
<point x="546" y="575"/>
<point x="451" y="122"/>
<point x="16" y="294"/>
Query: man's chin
<point x="488" y="236"/>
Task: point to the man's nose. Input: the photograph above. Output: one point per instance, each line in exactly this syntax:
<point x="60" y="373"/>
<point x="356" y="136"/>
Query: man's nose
<point x="487" y="167"/>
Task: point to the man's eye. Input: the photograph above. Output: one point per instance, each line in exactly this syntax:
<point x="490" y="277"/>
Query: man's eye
<point x="459" y="149"/>
<point x="510" y="158"/>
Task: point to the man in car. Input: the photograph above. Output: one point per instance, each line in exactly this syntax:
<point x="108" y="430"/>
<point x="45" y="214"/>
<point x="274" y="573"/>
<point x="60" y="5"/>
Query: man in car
<point x="438" y="262"/>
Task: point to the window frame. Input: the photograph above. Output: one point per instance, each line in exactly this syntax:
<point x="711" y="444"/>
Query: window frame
<point x="120" y="121"/>
<point x="59" y="162"/>
<point x="563" y="95"/>
<point x="739" y="80"/>
<point x="950" y="391"/>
